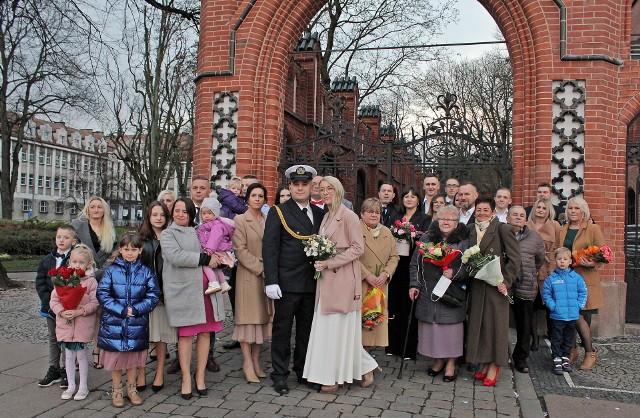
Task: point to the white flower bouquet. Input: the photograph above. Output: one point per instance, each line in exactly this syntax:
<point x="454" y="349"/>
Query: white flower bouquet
<point x="484" y="267"/>
<point x="320" y="248"/>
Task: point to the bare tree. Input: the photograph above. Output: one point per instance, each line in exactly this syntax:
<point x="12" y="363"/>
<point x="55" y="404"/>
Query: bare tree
<point x="151" y="95"/>
<point x="484" y="90"/>
<point x="351" y="30"/>
<point x="44" y="56"/>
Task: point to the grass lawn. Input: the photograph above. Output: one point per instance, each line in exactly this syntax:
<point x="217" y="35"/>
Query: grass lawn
<point x="22" y="263"/>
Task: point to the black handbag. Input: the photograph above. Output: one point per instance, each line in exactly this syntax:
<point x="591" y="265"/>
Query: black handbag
<point x="455" y="296"/>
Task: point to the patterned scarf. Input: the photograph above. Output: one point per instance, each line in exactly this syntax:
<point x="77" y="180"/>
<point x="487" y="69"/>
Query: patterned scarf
<point x="481" y="228"/>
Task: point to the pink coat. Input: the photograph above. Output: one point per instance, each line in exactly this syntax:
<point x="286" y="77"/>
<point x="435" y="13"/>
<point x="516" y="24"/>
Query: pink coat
<point x="340" y="287"/>
<point x="81" y="328"/>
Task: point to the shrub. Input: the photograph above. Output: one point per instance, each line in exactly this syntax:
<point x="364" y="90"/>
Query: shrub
<point x="30" y="237"/>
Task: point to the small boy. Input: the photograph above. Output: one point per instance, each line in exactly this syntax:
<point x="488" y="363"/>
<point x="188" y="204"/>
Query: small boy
<point x="232" y="203"/>
<point x="564" y="293"/>
<point x="65" y="240"/>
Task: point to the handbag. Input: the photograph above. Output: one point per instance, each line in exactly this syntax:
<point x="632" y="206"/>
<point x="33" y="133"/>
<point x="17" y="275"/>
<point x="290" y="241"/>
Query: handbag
<point x="455" y="296"/>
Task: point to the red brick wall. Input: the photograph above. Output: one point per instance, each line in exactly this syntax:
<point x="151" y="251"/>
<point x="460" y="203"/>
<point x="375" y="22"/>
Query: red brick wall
<point x="531" y="28"/>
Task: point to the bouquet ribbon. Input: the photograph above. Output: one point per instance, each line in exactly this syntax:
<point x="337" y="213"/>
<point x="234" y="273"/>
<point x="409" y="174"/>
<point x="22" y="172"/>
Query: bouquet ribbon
<point x="444" y="262"/>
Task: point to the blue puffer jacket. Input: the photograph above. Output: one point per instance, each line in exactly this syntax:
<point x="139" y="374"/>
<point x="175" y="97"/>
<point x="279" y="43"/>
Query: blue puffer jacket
<point x="125" y="285"/>
<point x="565" y="293"/>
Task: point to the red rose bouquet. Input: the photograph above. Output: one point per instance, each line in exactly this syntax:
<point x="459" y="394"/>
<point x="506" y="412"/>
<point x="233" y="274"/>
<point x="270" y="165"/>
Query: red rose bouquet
<point x="67" y="283"/>
<point x="440" y="254"/>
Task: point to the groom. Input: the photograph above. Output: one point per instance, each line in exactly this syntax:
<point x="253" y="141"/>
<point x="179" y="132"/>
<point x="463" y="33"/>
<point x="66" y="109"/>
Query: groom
<point x="289" y="274"/>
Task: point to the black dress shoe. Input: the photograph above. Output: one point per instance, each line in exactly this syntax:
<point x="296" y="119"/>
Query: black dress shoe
<point x="434" y="373"/>
<point x="522" y="367"/>
<point x="212" y="366"/>
<point x="231" y="345"/>
<point x="141" y="388"/>
<point x="186" y="396"/>
<point x="449" y="379"/>
<point x="174" y="367"/>
<point x="281" y="387"/>
<point x="202" y="392"/>
<point x="158" y="388"/>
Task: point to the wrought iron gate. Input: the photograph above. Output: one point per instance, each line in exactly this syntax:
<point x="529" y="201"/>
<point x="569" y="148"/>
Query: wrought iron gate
<point x="632" y="229"/>
<point x="444" y="146"/>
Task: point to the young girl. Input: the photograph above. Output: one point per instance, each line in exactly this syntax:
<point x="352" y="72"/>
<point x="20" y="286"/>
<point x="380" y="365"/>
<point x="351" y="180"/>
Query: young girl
<point x="215" y="234"/>
<point x="127" y="292"/>
<point x="232" y="203"/>
<point x="74" y="328"/>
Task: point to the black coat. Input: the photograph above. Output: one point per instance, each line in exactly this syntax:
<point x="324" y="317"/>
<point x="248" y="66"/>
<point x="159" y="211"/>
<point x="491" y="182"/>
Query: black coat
<point x="152" y="257"/>
<point x="285" y="262"/>
<point x="390" y="213"/>
<point x="44" y="287"/>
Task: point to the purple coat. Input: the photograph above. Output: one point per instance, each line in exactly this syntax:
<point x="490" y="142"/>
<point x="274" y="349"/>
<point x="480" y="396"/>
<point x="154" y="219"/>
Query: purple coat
<point x="216" y="235"/>
<point x="232" y="205"/>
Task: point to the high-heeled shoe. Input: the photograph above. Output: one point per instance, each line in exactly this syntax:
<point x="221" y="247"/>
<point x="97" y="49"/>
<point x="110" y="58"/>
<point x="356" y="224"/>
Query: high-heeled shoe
<point x="434" y="373"/>
<point x="187" y="396"/>
<point x="201" y="392"/>
<point x="492" y="382"/>
<point x="367" y="379"/>
<point x="261" y="374"/>
<point x="157" y="388"/>
<point x="479" y="375"/>
<point x="250" y="375"/>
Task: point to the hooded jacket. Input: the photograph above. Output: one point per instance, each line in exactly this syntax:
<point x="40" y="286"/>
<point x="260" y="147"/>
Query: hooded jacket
<point x="216" y="235"/>
<point x="125" y="285"/>
<point x="232" y="205"/>
<point x="565" y="293"/>
<point x="80" y="329"/>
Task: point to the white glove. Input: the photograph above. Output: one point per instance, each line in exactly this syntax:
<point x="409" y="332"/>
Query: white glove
<point x="273" y="291"/>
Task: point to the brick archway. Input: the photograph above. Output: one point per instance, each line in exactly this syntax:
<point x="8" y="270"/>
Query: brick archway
<point x="559" y="68"/>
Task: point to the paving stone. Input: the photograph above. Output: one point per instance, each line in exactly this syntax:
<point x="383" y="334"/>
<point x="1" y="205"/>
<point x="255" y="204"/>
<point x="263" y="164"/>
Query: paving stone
<point x="234" y="405"/>
<point x="351" y="400"/>
<point x="240" y="414"/>
<point x="405" y="407"/>
<point x="462" y="413"/>
<point x="285" y="400"/>
<point x="294" y="411"/>
<point x="237" y="396"/>
<point x="339" y="407"/>
<point x="410" y="400"/>
<point x="435" y="412"/>
<point x="264" y="407"/>
<point x="436" y="403"/>
<point x="376" y="403"/>
<point x="130" y="413"/>
<point x="310" y="403"/>
<point x="445" y="396"/>
<point x="367" y="411"/>
<point x="164" y="408"/>
<point x="188" y="410"/>
<point x="395" y="414"/>
<point x="324" y="397"/>
<point x="261" y="397"/>
<point x="208" y="402"/>
<point x="484" y="404"/>
<point x="484" y="413"/>
<point x="212" y="412"/>
<point x="324" y="414"/>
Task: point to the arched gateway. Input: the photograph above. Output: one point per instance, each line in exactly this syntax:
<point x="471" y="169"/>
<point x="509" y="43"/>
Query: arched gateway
<point x="575" y="92"/>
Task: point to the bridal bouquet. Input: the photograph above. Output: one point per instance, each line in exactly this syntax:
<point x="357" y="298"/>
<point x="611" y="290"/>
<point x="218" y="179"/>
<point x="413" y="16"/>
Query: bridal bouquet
<point x="320" y="248"/>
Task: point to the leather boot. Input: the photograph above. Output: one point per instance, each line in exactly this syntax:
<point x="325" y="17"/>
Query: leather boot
<point x="589" y="361"/>
<point x="117" y="398"/>
<point x="573" y="355"/>
<point x="132" y="394"/>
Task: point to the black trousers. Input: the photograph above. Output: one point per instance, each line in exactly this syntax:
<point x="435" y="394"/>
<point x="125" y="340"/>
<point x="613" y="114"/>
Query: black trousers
<point x="562" y="333"/>
<point x="298" y="306"/>
<point x="523" y="314"/>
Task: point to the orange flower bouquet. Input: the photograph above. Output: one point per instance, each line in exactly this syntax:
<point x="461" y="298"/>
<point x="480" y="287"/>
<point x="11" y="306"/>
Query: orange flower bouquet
<point x="373" y="305"/>
<point x="602" y="254"/>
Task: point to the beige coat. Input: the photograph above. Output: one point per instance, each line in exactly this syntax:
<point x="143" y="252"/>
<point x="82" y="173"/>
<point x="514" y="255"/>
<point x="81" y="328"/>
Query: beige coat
<point x="380" y="251"/>
<point x="588" y="234"/>
<point x="548" y="232"/>
<point x="340" y="287"/>
<point x="252" y="304"/>
<point x="488" y="331"/>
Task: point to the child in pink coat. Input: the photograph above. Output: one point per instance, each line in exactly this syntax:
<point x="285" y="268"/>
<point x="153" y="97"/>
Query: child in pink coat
<point x="215" y="234"/>
<point x="74" y="328"/>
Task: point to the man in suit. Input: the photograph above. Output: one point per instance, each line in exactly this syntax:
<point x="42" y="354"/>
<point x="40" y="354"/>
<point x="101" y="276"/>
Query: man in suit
<point x="545" y="191"/>
<point x="431" y="187"/>
<point x="289" y="274"/>
<point x="503" y="201"/>
<point x="451" y="187"/>
<point x="386" y="196"/>
<point x="468" y="194"/>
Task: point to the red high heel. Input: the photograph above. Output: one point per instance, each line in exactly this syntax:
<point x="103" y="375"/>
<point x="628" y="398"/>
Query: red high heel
<point x="479" y="375"/>
<point x="492" y="382"/>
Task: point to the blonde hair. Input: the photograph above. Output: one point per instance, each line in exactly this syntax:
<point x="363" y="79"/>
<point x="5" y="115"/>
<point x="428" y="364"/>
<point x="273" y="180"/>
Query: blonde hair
<point x="582" y="204"/>
<point x="338" y="195"/>
<point x="86" y="251"/>
<point x="107" y="233"/>
<point x="561" y="250"/>
<point x="551" y="212"/>
<point x="164" y="192"/>
<point x="370" y="204"/>
<point x="235" y="180"/>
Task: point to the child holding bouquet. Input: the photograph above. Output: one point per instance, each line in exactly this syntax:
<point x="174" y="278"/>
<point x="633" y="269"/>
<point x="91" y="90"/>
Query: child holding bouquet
<point x="215" y="235"/>
<point x="127" y="293"/>
<point x="75" y="319"/>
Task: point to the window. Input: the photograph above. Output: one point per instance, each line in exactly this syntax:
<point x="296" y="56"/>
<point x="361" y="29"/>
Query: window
<point x="32" y="155"/>
<point x="47" y="182"/>
<point x="59" y="207"/>
<point x="41" y="157"/>
<point x="85" y="166"/>
<point x="64" y="161"/>
<point x="23" y="155"/>
<point x="56" y="183"/>
<point x="70" y="185"/>
<point x="26" y="205"/>
<point x="40" y="181"/>
<point x="72" y="162"/>
<point x="23" y="179"/>
<point x="56" y="161"/>
<point x="73" y="210"/>
<point x="48" y="159"/>
<point x="63" y="183"/>
<point x="30" y="180"/>
<point x="44" y="206"/>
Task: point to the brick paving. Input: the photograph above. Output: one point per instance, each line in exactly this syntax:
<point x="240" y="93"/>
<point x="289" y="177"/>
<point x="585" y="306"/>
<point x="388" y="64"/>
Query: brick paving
<point x="23" y="335"/>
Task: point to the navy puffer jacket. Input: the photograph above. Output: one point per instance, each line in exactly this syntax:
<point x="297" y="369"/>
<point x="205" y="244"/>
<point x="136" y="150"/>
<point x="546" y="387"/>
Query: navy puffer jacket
<point x="126" y="285"/>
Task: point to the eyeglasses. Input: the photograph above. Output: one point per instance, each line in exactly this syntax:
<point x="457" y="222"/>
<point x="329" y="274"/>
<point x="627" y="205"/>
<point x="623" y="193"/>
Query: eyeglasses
<point x="452" y="185"/>
<point x="445" y="220"/>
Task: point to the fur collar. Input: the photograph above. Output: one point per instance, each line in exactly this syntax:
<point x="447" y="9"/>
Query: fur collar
<point x="457" y="235"/>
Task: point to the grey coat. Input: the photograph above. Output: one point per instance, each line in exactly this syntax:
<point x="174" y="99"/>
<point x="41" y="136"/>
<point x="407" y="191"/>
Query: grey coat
<point x="182" y="278"/>
<point x="425" y="276"/>
<point x="532" y="257"/>
<point x="100" y="256"/>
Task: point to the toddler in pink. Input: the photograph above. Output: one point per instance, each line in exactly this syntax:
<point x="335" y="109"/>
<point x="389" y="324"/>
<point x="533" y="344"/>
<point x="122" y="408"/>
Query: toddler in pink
<point x="215" y="234"/>
<point x="74" y="328"/>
